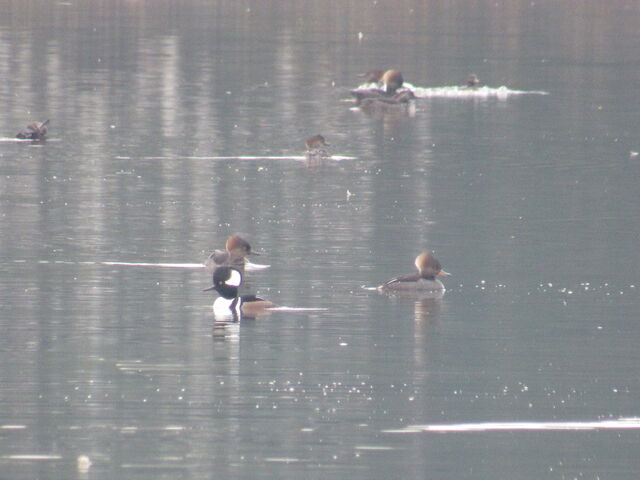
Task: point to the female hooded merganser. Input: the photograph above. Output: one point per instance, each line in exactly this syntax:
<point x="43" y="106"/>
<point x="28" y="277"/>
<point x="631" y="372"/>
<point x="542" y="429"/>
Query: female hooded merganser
<point x="315" y="145"/>
<point x="236" y="249"/>
<point x="226" y="281"/>
<point x="34" y="131"/>
<point x="391" y="80"/>
<point x="423" y="281"/>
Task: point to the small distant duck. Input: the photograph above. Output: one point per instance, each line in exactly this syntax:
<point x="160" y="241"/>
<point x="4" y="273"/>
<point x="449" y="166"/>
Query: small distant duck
<point x="424" y="281"/>
<point x="34" y="131"/>
<point x="226" y="281"/>
<point x="234" y="255"/>
<point x="472" y="81"/>
<point x="315" y="145"/>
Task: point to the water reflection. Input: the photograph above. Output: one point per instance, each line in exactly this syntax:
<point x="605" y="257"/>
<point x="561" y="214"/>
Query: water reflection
<point x="226" y="329"/>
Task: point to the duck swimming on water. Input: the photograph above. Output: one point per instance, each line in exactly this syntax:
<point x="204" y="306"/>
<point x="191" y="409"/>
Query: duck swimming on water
<point x="34" y="131"/>
<point x="315" y="145"/>
<point x="226" y="281"/>
<point x="234" y="255"/>
<point x="388" y="81"/>
<point x="424" y="281"/>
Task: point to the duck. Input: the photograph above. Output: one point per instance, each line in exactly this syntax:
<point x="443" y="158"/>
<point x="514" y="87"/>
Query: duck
<point x="226" y="281"/>
<point x="315" y="145"/>
<point x="388" y="81"/>
<point x="235" y="253"/>
<point x="472" y="82"/>
<point x="424" y="281"/>
<point x="34" y="131"/>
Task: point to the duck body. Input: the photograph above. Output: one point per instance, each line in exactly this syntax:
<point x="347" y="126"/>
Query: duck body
<point x="410" y="283"/>
<point x="34" y="131"/>
<point x="362" y="96"/>
<point x="424" y="281"/>
<point x="315" y="145"/>
<point x="243" y="306"/>
<point x="220" y="258"/>
<point x="398" y="103"/>
<point x="234" y="255"/>
<point x="398" y="98"/>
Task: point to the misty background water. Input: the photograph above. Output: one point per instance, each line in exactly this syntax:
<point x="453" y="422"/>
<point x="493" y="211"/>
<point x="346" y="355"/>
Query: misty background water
<point x="529" y="200"/>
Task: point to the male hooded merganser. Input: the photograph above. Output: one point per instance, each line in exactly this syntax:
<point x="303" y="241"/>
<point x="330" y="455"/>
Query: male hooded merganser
<point x="236" y="249"/>
<point x="226" y="281"/>
<point x="34" y="131"/>
<point x="423" y="281"/>
<point x="315" y="145"/>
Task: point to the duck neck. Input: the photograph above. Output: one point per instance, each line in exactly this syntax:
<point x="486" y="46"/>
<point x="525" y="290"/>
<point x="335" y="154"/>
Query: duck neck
<point x="227" y="291"/>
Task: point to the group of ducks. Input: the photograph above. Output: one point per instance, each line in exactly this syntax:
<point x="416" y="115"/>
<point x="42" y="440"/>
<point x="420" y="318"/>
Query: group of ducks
<point x="388" y="94"/>
<point x="228" y="266"/>
<point x="385" y="97"/>
<point x="385" y="94"/>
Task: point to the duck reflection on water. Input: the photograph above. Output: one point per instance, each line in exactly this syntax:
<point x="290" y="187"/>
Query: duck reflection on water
<point x="400" y="103"/>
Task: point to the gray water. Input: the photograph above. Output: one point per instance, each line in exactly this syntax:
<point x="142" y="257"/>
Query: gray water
<point x="530" y="200"/>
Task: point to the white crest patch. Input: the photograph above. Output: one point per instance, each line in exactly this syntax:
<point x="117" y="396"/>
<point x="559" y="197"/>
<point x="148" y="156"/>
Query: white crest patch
<point x="235" y="278"/>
